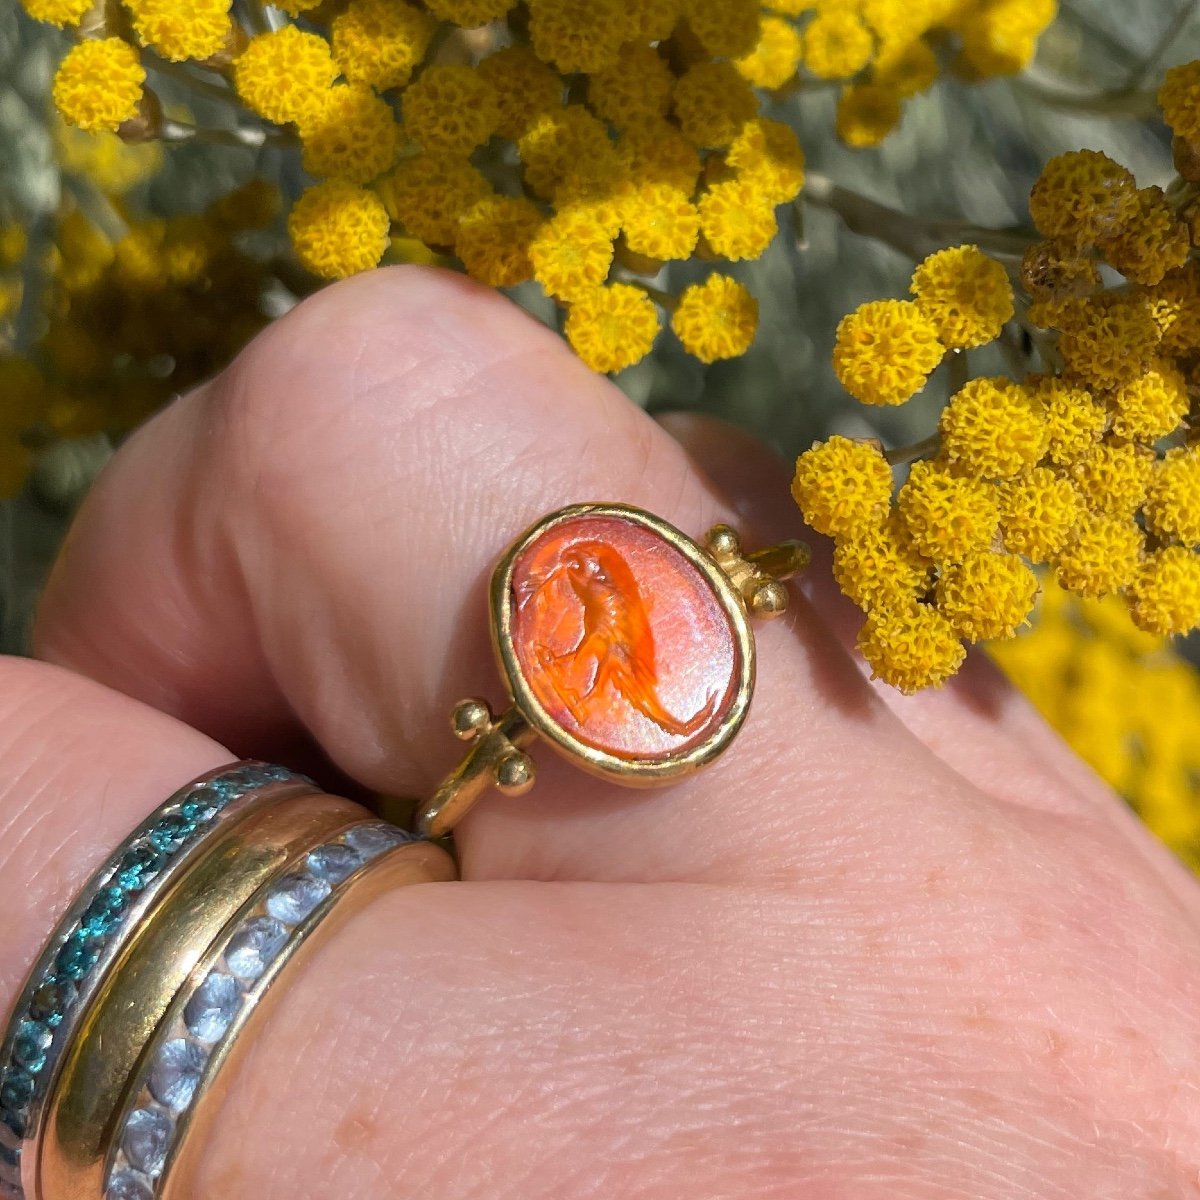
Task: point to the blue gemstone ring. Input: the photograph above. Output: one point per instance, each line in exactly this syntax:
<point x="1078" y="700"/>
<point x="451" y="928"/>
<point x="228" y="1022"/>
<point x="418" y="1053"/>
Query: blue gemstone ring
<point x="92" y="935"/>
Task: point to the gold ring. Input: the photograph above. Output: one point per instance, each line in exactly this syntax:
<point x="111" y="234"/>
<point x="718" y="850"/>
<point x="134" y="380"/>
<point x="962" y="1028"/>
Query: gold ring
<point x="90" y="936"/>
<point x="153" y="965"/>
<point x="624" y="645"/>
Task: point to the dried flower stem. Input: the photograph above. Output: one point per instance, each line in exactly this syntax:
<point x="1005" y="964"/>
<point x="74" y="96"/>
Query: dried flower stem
<point x="252" y="136"/>
<point x="910" y="235"/>
<point x="902" y="455"/>
<point x="179" y="74"/>
<point x="1150" y="63"/>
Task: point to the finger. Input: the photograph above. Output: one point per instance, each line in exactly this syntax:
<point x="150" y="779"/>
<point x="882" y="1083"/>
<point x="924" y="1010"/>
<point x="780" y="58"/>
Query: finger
<point x="424" y="1049"/>
<point x="309" y="539"/>
<point x="978" y="723"/>
<point x="509" y="1039"/>
<point x="82" y="766"/>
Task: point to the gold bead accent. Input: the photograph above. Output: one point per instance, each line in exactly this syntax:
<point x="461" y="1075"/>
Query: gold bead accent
<point x="515" y="774"/>
<point x="722" y="542"/>
<point x="470" y="718"/>
<point x="769" y="599"/>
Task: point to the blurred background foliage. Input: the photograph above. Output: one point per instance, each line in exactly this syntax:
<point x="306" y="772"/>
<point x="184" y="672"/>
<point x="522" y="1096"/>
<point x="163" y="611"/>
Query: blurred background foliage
<point x="1128" y="702"/>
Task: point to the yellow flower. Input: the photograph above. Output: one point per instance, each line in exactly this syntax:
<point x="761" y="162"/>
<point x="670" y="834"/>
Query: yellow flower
<point x="660" y="222"/>
<point x="111" y="164"/>
<point x="966" y="294"/>
<point x="1113" y="476"/>
<point x="379" y="42"/>
<point x="1114" y="341"/>
<point x="428" y="195"/>
<point x="904" y="67"/>
<point x="1101" y="556"/>
<point x="338" y="229"/>
<point x="657" y="152"/>
<point x="725" y="28"/>
<point x="866" y="114"/>
<point x="524" y="88"/>
<point x="1151" y="407"/>
<point x="556" y="142"/>
<point x="1074" y="419"/>
<point x="653" y="20"/>
<point x="637" y="88"/>
<point x="712" y="103"/>
<point x="597" y="191"/>
<point x="138" y="261"/>
<point x="189" y="245"/>
<point x="1175" y="309"/>
<point x="254" y="205"/>
<point x="1164" y="595"/>
<point x="494" y="237"/>
<point x="903" y="20"/>
<point x="1172" y="506"/>
<point x="1082" y="196"/>
<point x="880" y="568"/>
<point x="354" y="136"/>
<point x="1051" y="271"/>
<point x="885" y="351"/>
<point x="612" y="327"/>
<point x="837" y="44"/>
<point x="470" y="14"/>
<point x="1179" y="99"/>
<point x="947" y="516"/>
<point x="1151" y="242"/>
<point x="284" y="75"/>
<point x="450" y="109"/>
<point x="910" y="648"/>
<point x="987" y="595"/>
<point x="1038" y="511"/>
<point x="177" y="31"/>
<point x="843" y="487"/>
<point x="577" y="35"/>
<point x="716" y="319"/>
<point x="994" y="428"/>
<point x="993" y="44"/>
<point x="571" y="255"/>
<point x="774" y="60"/>
<point x="767" y="156"/>
<point x="99" y="84"/>
<point x="13" y="243"/>
<point x="57" y="12"/>
<point x="736" y="221"/>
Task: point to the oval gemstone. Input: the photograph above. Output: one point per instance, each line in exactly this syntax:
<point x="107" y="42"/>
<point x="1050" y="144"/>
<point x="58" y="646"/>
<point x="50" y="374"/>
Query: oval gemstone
<point x="621" y="638"/>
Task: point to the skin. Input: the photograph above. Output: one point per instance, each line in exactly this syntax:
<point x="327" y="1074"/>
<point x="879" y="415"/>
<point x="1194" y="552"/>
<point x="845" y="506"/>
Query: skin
<point x="884" y="949"/>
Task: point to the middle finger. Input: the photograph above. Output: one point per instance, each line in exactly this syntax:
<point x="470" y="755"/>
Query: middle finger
<point x="309" y="539"/>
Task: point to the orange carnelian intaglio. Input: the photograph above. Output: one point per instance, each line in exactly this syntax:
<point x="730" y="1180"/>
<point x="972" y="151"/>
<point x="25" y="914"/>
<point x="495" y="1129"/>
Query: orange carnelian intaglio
<point x="621" y="638"/>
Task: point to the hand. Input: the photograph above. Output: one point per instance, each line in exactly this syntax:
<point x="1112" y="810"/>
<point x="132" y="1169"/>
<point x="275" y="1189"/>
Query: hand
<point x="884" y="949"/>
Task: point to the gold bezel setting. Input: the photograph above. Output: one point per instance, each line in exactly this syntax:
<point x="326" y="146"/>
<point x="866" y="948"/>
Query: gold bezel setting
<point x="745" y="586"/>
<point x="632" y="771"/>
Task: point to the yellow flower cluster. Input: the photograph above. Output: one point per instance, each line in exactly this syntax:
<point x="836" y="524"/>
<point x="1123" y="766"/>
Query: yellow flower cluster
<point x="887" y="349"/>
<point x="886" y="51"/>
<point x="632" y="132"/>
<point x="130" y="320"/>
<point x="654" y="157"/>
<point x="1123" y="700"/>
<point x="1091" y="469"/>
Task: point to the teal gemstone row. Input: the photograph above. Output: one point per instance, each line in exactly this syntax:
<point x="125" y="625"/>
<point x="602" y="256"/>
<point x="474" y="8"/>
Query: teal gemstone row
<point x="182" y="822"/>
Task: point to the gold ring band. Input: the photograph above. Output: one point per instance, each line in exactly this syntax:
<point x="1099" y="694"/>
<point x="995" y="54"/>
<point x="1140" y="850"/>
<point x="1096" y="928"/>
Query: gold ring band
<point x="90" y="936"/>
<point x="155" y="963"/>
